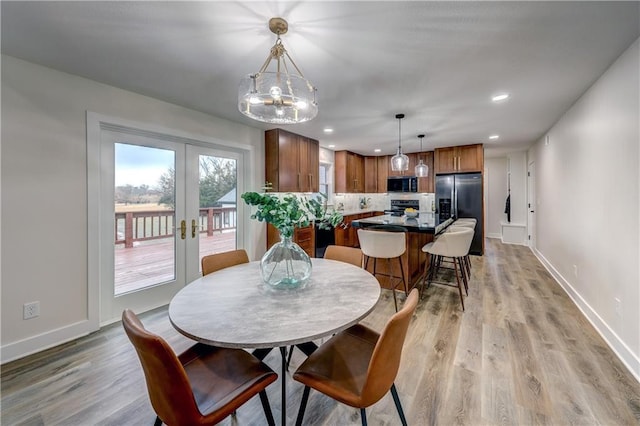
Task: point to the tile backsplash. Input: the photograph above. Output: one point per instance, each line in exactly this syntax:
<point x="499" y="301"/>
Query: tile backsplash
<point x="380" y="202"/>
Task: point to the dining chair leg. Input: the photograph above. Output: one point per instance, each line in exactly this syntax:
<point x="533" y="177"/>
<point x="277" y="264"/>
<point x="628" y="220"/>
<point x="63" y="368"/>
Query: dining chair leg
<point x="396" y="399"/>
<point x="267" y="408"/>
<point x="158" y="422"/>
<point x="303" y="405"/>
<point x="363" y="416"/>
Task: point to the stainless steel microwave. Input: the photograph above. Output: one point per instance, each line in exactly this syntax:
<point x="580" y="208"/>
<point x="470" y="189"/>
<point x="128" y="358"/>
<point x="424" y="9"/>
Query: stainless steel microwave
<point x="402" y="184"/>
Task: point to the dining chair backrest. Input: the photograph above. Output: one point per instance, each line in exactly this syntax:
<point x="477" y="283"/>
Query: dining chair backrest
<point x="167" y="382"/>
<point x="453" y="243"/>
<point x="215" y="262"/>
<point x="382" y="244"/>
<point x="385" y="360"/>
<point x="346" y="254"/>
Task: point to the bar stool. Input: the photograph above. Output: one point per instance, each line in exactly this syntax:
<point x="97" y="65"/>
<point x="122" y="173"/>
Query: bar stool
<point x="454" y="245"/>
<point x="385" y="243"/>
<point x="467" y="223"/>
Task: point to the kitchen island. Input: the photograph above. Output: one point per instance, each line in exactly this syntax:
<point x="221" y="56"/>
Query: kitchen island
<point x="419" y="231"/>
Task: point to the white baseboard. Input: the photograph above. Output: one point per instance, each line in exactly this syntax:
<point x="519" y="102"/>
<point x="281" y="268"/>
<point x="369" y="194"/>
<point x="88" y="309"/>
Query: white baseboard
<point x="31" y="345"/>
<point x="624" y="353"/>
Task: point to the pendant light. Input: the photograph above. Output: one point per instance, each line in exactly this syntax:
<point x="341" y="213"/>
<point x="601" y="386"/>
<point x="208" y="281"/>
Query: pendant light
<point x="282" y="96"/>
<point x="399" y="162"/>
<point x="421" y="170"/>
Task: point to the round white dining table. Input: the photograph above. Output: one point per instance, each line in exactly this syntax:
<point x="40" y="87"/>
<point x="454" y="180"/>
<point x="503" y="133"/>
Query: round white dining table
<point x="234" y="308"/>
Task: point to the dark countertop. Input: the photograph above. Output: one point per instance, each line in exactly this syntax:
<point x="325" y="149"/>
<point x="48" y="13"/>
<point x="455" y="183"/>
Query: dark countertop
<point x="426" y="222"/>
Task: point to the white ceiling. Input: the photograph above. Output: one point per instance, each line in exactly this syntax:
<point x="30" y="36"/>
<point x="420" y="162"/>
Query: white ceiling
<point x="437" y="62"/>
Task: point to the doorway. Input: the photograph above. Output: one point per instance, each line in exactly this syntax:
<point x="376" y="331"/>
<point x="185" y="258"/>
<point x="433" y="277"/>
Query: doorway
<point x="164" y="202"/>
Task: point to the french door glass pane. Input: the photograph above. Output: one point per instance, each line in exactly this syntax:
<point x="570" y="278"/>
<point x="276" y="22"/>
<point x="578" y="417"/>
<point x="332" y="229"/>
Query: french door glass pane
<point x="218" y="200"/>
<point x="144" y="244"/>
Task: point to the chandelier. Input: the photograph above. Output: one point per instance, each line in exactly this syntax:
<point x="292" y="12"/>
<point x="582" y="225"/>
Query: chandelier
<point x="278" y="96"/>
<point x="421" y="169"/>
<point x="399" y="162"/>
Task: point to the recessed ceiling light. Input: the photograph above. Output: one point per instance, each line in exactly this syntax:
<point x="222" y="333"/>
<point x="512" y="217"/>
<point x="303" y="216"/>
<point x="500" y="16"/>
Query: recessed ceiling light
<point x="331" y="146"/>
<point x="493" y="137"/>
<point x="328" y="130"/>
<point x="500" y="97"/>
<point x="377" y="150"/>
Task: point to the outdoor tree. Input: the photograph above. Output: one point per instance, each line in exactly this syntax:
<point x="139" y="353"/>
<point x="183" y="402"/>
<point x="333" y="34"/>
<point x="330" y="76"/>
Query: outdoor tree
<point x="217" y="177"/>
<point x="166" y="184"/>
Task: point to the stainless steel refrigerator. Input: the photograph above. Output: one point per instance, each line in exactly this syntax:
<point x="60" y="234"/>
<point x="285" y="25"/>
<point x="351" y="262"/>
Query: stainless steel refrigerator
<point x="460" y="195"/>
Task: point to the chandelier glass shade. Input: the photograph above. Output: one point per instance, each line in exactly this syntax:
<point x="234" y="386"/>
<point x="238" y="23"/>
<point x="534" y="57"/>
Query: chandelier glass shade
<point x="421" y="170"/>
<point x="280" y="96"/>
<point x="399" y="162"/>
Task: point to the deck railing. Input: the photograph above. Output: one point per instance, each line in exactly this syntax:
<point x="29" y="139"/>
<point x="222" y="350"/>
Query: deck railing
<point x="148" y="225"/>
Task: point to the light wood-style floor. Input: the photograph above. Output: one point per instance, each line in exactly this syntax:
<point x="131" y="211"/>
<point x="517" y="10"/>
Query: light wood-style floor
<point x="521" y="354"/>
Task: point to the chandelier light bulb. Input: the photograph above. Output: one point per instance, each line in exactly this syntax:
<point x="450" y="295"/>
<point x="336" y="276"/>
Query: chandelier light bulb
<point x="276" y="92"/>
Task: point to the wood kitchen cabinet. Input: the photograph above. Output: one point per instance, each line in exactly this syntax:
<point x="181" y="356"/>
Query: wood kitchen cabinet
<point x="304" y="237"/>
<point x="382" y="173"/>
<point x="347" y="235"/>
<point x="370" y="174"/>
<point x="291" y="161"/>
<point x="349" y="172"/>
<point x="466" y="158"/>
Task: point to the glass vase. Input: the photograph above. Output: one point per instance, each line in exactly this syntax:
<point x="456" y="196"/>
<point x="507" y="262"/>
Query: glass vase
<point x="285" y="265"/>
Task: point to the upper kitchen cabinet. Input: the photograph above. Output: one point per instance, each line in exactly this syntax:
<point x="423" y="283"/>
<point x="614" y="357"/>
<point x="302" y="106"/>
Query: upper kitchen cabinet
<point x="466" y="158"/>
<point x="375" y="173"/>
<point x="349" y="169"/>
<point x="291" y="161"/>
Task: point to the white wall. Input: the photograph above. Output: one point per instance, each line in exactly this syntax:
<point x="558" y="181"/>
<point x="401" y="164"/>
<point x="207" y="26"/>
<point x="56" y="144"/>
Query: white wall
<point x="588" y="204"/>
<point x="495" y="190"/>
<point x="44" y="188"/>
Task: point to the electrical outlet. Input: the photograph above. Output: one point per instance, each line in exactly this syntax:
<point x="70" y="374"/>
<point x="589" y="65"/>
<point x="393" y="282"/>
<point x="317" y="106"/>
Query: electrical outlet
<point x="618" y="306"/>
<point x="575" y="270"/>
<point x="30" y="310"/>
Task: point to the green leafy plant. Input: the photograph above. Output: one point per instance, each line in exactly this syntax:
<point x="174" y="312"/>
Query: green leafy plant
<point x="289" y="211"/>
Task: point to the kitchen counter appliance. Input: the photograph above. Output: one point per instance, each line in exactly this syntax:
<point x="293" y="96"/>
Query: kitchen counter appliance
<point x="398" y="207"/>
<point x="402" y="184"/>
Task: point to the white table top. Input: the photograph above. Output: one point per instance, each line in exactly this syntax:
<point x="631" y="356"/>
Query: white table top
<point x="233" y="308"/>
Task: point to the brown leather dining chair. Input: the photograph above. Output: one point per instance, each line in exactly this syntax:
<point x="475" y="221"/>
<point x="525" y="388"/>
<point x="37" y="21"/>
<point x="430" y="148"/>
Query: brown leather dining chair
<point x="358" y="366"/>
<point x="346" y="254"/>
<point x="215" y="262"/>
<point x="203" y="385"/>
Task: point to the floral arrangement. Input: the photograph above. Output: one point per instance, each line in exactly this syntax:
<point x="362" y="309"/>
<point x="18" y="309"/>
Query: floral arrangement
<point x="289" y="211"/>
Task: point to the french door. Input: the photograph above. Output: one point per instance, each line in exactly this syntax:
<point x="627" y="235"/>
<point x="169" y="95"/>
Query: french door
<point x="164" y="204"/>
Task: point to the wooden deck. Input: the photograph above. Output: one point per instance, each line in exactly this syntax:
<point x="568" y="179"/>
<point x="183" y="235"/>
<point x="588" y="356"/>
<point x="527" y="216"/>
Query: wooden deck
<point x="151" y="262"/>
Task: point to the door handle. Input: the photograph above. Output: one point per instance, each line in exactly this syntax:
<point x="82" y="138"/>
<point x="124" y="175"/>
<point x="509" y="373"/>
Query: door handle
<point x="194" y="228"/>
<point x="183" y="229"/>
